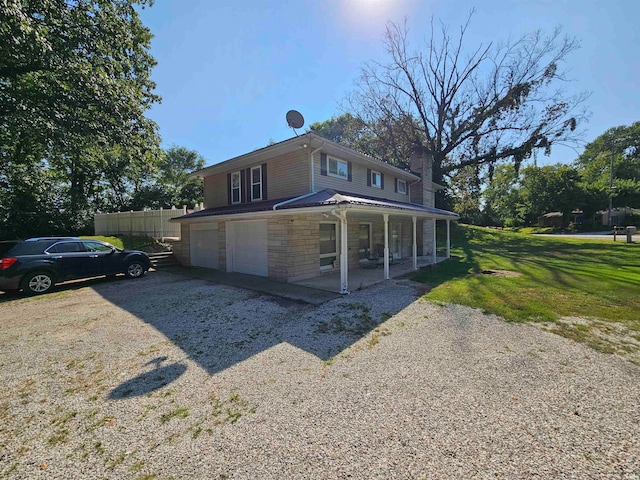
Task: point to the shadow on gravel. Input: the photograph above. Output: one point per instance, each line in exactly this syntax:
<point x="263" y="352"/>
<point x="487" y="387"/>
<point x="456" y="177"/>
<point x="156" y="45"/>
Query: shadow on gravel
<point x="149" y="381"/>
<point x="220" y="326"/>
<point x="61" y="288"/>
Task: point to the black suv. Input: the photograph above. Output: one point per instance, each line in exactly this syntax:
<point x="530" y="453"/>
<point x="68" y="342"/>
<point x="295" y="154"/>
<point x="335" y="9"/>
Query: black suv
<point x="37" y="264"/>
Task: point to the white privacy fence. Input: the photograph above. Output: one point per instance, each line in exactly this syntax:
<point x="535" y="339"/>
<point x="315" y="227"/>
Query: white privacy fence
<point x="148" y="223"/>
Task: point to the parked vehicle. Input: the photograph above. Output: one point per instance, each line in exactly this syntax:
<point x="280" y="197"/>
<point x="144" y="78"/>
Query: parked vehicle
<point x="37" y="264"/>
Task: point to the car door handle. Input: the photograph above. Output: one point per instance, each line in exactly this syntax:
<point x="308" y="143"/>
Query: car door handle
<point x="56" y="257"/>
<point x="94" y="256"/>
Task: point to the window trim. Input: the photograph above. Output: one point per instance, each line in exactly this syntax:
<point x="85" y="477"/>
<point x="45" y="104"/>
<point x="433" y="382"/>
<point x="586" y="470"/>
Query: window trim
<point x="373" y="176"/>
<point x="335" y="253"/>
<point x="402" y="182"/>
<point x="253" y="184"/>
<point x="369" y="225"/>
<point x="239" y="188"/>
<point x="50" y="249"/>
<point x="336" y="175"/>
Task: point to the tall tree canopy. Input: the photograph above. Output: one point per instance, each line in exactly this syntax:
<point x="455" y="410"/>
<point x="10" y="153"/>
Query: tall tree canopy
<point x="74" y="87"/>
<point x="169" y="184"/>
<point x="73" y="74"/>
<point x="468" y="106"/>
<point x="620" y="146"/>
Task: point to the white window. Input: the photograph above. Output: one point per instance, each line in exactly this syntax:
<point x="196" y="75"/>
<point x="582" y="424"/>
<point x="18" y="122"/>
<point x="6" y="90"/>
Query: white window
<point x="402" y="187"/>
<point x="376" y="179"/>
<point x="364" y="241"/>
<point x="338" y="168"/>
<point x="328" y="245"/>
<point x="235" y="188"/>
<point x="256" y="183"/>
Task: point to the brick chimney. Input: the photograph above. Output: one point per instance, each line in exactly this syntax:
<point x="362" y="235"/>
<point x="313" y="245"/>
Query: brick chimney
<point x="421" y="164"/>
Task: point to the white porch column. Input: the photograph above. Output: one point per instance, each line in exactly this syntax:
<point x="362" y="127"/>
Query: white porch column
<point x="344" y="255"/>
<point x="415" y="245"/>
<point x="448" y="240"/>
<point x="386" y="246"/>
<point x="435" y="259"/>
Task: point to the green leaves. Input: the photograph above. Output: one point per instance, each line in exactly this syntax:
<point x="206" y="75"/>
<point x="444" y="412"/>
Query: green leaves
<point x="620" y="146"/>
<point x="74" y="73"/>
<point x="74" y="86"/>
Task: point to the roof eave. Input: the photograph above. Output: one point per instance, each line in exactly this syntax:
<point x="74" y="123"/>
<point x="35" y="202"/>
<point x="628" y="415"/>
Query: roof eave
<point x="307" y="141"/>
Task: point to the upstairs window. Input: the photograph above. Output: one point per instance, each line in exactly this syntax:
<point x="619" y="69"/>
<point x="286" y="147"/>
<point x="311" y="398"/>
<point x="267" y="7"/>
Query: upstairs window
<point x="236" y="187"/>
<point x="376" y="179"/>
<point x="402" y="186"/>
<point x="256" y="183"/>
<point x="338" y="168"/>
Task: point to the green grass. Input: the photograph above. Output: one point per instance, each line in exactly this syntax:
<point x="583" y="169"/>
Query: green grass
<point x="125" y="241"/>
<point x="558" y="276"/>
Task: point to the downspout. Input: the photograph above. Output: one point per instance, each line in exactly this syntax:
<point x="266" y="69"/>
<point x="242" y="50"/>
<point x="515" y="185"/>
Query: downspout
<point x="312" y="152"/>
<point x="344" y="254"/>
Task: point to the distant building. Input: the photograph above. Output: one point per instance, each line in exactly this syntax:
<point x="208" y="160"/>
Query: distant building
<point x="551" y="219"/>
<point x="618" y="215"/>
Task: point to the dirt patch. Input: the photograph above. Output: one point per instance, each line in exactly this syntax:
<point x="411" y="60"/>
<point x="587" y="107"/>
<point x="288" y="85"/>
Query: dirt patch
<point x="606" y="337"/>
<point x="419" y="288"/>
<point x="501" y="273"/>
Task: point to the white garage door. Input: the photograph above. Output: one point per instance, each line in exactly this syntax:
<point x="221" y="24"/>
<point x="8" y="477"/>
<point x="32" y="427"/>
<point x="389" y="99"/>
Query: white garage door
<point x="204" y="245"/>
<point x="247" y="247"/>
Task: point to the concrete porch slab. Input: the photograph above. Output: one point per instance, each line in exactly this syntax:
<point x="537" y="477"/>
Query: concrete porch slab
<point x="360" y="278"/>
<point x="265" y="285"/>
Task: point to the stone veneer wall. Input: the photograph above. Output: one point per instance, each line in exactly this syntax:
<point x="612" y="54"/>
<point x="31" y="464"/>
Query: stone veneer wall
<point x="304" y="248"/>
<point x="181" y="249"/>
<point x="294" y="243"/>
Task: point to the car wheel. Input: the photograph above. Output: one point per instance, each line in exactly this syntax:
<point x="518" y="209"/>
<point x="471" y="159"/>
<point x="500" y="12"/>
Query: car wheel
<point x="37" y="283"/>
<point x="135" y="270"/>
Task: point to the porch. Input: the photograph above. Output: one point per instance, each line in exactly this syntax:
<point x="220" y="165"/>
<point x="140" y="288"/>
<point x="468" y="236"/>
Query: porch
<point x="366" y="276"/>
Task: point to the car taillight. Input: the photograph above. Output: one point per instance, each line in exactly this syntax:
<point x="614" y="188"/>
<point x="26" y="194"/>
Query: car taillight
<point x="7" y="262"/>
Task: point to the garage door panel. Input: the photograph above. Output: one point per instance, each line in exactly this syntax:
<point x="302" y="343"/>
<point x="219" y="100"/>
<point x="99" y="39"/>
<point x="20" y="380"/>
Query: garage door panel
<point x="204" y="246"/>
<point x="248" y="247"/>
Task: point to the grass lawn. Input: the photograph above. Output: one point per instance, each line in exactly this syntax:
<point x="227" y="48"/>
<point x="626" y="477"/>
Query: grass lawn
<point x="129" y="242"/>
<point x="553" y="278"/>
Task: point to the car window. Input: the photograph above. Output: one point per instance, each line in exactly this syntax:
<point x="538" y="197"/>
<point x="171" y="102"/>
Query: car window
<point x="6" y="246"/>
<point x="66" y="247"/>
<point x="97" y="247"/>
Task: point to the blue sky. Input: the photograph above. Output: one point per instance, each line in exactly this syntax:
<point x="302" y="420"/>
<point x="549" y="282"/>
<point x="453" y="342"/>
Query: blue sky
<point x="228" y="71"/>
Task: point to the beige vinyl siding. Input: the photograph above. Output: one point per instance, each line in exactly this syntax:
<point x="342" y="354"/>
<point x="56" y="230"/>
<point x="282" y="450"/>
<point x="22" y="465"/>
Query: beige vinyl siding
<point x="358" y="185"/>
<point x="215" y="190"/>
<point x="287" y="177"/>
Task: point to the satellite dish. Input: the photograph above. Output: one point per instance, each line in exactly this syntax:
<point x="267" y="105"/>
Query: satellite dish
<point x="295" y="120"/>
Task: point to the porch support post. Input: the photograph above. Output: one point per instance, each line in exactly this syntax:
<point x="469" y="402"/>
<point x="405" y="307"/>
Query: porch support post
<point x="435" y="259"/>
<point x="415" y="245"/>
<point x="448" y="239"/>
<point x="344" y="255"/>
<point x="386" y="246"/>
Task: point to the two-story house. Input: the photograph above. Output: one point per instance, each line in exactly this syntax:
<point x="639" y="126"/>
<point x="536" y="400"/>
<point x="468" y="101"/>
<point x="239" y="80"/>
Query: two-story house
<point x="305" y="206"/>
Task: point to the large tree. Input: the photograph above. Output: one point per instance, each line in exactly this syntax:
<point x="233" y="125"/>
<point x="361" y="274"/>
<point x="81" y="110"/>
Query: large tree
<point x="73" y="73"/>
<point x="469" y="106"/>
<point x="170" y="185"/>
<point x="618" y="147"/>
<point x="74" y="84"/>
<point x="547" y="189"/>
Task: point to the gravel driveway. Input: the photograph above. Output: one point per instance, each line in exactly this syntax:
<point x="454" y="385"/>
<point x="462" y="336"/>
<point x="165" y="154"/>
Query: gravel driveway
<point x="170" y="377"/>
